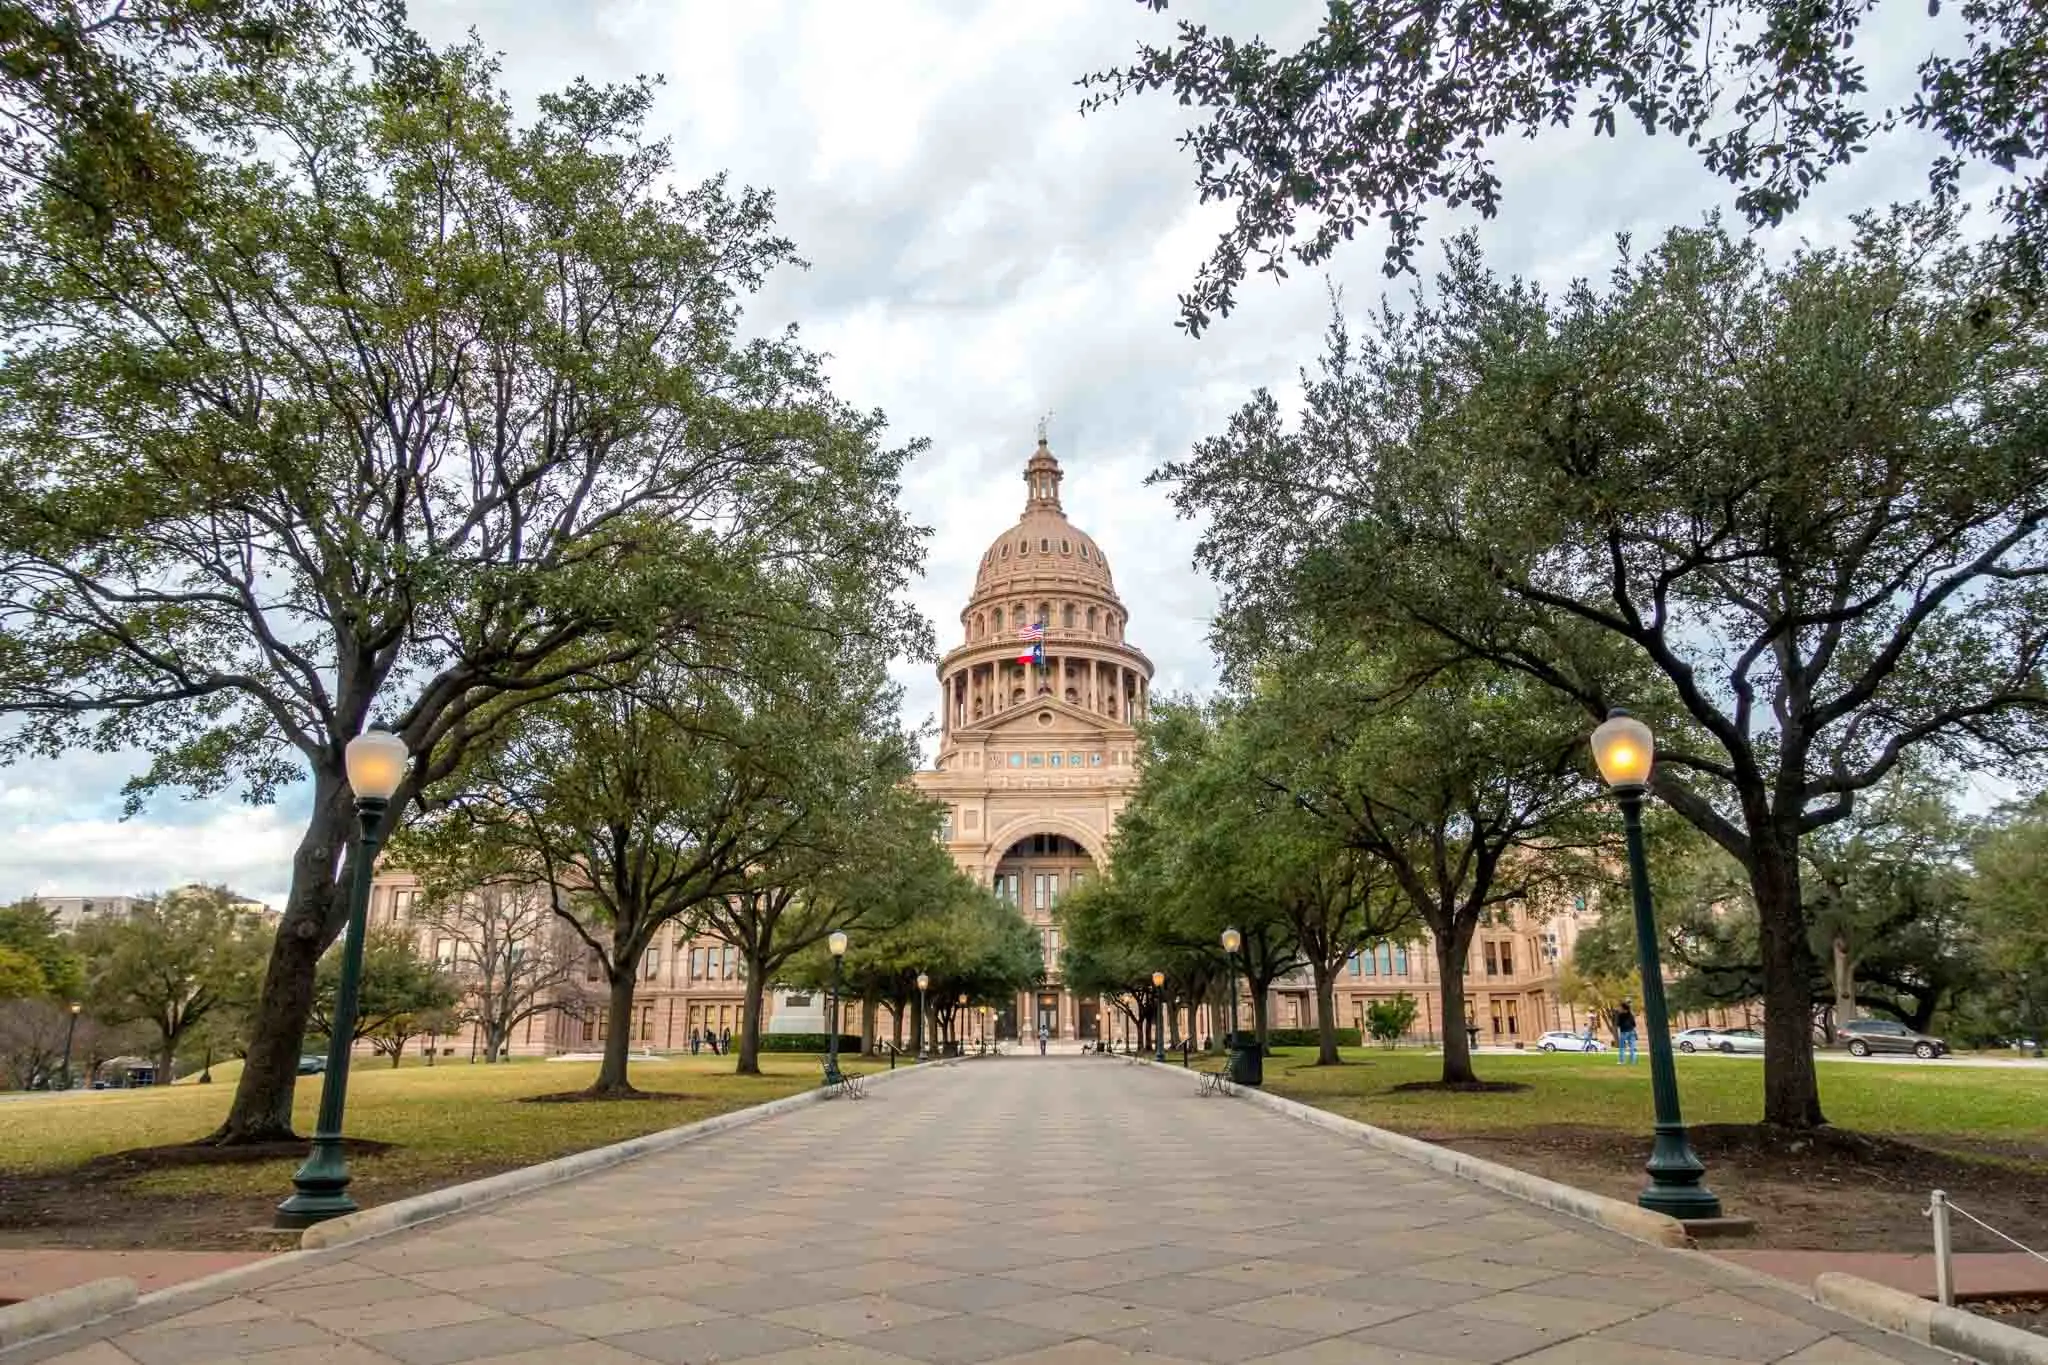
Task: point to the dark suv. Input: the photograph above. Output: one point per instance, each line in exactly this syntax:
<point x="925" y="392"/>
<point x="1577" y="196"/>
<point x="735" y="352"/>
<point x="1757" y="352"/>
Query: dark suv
<point x="1865" y="1036"/>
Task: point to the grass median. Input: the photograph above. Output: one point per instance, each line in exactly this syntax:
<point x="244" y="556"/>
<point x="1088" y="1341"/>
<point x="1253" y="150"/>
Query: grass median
<point x="65" y="1179"/>
<point x="1897" y="1132"/>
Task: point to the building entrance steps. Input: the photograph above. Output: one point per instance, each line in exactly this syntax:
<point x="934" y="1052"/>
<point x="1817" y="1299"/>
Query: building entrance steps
<point x="998" y="1215"/>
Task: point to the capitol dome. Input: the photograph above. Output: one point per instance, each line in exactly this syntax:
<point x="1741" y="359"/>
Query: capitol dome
<point x="1043" y="545"/>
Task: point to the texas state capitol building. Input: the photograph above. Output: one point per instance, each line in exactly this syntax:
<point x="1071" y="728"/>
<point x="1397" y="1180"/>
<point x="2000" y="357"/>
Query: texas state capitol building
<point x="1035" y="763"/>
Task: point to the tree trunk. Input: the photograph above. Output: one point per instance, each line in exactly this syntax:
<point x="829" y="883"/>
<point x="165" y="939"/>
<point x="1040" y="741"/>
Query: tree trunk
<point x="166" y="1061"/>
<point x="1260" y="1023"/>
<point x="494" y="1044"/>
<point x="1450" y="970"/>
<point x="1791" y="1081"/>
<point x="754" y="989"/>
<point x="397" y="1051"/>
<point x="1326" y="1015"/>
<point x="618" y="1037"/>
<point x="867" y="1025"/>
<point x="896" y="1008"/>
<point x="262" y="1107"/>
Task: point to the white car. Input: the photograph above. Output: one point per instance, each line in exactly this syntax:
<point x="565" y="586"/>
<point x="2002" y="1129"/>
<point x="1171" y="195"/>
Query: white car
<point x="1564" y="1040"/>
<point x="1734" y="1040"/>
<point x="1693" y="1039"/>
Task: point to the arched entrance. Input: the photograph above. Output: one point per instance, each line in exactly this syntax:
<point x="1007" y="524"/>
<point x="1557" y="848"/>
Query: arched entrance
<point x="1032" y="873"/>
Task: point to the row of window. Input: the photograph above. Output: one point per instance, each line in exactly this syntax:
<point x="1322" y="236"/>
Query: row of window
<point x="1067" y="547"/>
<point x="1386" y="960"/>
<point x="1045" y="887"/>
<point x="1392" y="960"/>
<point x="706" y="964"/>
<point x="1071" y="617"/>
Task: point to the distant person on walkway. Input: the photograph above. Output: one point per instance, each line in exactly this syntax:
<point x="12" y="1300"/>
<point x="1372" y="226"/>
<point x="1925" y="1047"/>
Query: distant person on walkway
<point x="1589" y="1033"/>
<point x="725" y="1042"/>
<point x="695" y="1040"/>
<point x="1043" y="1035"/>
<point x="1624" y="1036"/>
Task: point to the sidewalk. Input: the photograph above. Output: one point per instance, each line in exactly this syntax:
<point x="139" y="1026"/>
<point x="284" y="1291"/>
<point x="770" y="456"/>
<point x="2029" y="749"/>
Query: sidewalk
<point x="1979" y="1274"/>
<point x="25" y="1274"/>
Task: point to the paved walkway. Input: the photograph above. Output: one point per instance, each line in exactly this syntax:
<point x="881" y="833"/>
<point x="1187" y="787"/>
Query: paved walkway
<point x="1049" y="1212"/>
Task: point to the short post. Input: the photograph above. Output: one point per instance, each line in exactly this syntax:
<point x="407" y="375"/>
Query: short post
<point x="1944" y="1268"/>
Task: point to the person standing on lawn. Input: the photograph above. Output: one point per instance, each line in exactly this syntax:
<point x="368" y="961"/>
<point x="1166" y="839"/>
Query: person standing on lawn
<point x="1624" y="1036"/>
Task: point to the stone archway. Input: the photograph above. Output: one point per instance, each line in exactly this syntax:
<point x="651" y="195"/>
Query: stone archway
<point x="1032" y="869"/>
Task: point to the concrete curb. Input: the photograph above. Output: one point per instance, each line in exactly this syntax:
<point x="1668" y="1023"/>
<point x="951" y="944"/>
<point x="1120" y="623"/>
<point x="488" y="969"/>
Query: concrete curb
<point x="422" y="1208"/>
<point x="1950" y="1329"/>
<point x="1612" y="1214"/>
<point x="46" y="1314"/>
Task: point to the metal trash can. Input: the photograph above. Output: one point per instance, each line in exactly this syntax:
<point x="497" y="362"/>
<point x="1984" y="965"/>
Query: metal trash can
<point x="1472" y="1036"/>
<point x="1247" y="1062"/>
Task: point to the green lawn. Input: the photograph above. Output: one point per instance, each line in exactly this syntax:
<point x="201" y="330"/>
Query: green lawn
<point x="1979" y="1102"/>
<point x="450" y="1122"/>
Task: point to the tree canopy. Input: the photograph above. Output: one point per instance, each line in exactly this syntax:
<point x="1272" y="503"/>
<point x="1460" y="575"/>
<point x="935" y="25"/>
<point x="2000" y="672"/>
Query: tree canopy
<point x="1393" y="109"/>
<point x="1791" y="514"/>
<point x="417" y="412"/>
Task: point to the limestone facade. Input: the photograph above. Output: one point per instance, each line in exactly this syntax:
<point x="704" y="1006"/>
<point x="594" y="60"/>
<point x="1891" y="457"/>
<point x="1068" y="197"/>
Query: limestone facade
<point x="1035" y="760"/>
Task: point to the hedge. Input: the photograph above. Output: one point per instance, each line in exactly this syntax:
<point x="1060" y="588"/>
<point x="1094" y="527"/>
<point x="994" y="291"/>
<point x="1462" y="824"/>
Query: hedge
<point x="808" y="1042"/>
<point x="1308" y="1037"/>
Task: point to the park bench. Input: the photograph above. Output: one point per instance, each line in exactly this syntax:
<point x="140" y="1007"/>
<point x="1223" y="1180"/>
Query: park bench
<point x="852" y="1086"/>
<point x="1215" y="1083"/>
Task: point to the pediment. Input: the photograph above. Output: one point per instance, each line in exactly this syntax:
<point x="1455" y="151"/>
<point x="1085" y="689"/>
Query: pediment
<point x="1046" y="718"/>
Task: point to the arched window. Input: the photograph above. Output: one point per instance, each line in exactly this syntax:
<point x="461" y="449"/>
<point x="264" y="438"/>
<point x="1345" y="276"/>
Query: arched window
<point x="1045" y="545"/>
<point x="1067" y="616"/>
<point x="980" y="624"/>
<point x="1023" y="547"/>
<point x="1091" y="620"/>
<point x="1084" y="549"/>
<point x="1006" y="549"/>
<point x="1066" y="547"/>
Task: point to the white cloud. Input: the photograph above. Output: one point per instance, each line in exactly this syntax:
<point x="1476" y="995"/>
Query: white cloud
<point x="981" y="253"/>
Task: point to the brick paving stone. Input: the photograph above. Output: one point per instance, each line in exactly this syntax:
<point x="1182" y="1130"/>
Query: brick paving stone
<point x="1014" y="1212"/>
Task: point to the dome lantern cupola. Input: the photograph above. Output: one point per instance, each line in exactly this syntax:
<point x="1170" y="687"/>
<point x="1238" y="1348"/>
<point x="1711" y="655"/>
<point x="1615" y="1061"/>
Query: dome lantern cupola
<point x="1042" y="479"/>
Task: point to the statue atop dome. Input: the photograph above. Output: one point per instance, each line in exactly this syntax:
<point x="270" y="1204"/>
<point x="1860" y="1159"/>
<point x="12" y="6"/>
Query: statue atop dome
<point x="1045" y="418"/>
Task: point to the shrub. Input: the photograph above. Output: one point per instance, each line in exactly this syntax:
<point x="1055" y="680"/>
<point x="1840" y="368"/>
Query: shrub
<point x="849" y="1043"/>
<point x="1308" y="1037"/>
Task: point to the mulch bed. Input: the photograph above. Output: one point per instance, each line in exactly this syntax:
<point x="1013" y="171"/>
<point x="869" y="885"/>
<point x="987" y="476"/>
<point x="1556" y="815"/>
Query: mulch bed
<point x="1828" y="1188"/>
<point x="182" y="1154"/>
<point x="1464" y="1087"/>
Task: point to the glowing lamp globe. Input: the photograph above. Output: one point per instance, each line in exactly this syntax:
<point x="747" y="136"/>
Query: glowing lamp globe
<point x="1232" y="940"/>
<point x="837" y="943"/>
<point x="376" y="761"/>
<point x="1623" y="748"/>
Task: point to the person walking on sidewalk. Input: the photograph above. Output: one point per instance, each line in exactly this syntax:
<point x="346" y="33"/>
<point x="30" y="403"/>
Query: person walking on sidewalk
<point x="1624" y="1036"/>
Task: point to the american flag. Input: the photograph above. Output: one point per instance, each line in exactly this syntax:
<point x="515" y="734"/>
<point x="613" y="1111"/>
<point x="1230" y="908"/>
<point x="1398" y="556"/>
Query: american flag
<point x="1034" y="653"/>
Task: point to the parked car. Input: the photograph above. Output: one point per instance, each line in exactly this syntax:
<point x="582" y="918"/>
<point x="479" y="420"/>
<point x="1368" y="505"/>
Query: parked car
<point x="312" y="1066"/>
<point x="1692" y="1039"/>
<point x="1564" y="1040"/>
<point x="1865" y="1036"/>
<point x="1732" y="1040"/>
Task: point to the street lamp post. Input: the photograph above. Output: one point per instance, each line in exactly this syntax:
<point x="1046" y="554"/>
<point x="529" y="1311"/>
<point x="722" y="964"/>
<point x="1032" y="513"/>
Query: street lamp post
<point x="1159" y="1023"/>
<point x="375" y="761"/>
<point x="923" y="1016"/>
<point x="2026" y="1013"/>
<point x="960" y="1024"/>
<point x="836" y="942"/>
<point x="1232" y="941"/>
<point x="1624" y="748"/>
<point x="70" y="1027"/>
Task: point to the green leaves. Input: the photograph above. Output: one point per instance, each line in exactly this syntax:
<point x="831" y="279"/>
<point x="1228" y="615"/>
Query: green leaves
<point x="1391" y="109"/>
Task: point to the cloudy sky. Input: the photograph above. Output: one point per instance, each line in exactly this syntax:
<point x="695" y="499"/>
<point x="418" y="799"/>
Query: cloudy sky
<point x="980" y="254"/>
